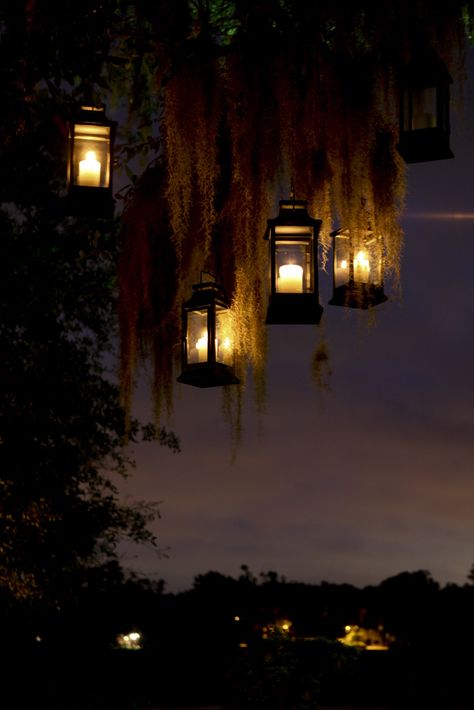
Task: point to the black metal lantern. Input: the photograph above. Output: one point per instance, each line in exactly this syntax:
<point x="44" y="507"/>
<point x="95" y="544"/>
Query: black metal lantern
<point x="424" y="111"/>
<point x="293" y="239"/>
<point x="207" y="346"/>
<point x="357" y="269"/>
<point x="91" y="139"/>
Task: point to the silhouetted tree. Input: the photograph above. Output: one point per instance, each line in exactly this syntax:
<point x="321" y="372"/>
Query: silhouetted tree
<point x="62" y="436"/>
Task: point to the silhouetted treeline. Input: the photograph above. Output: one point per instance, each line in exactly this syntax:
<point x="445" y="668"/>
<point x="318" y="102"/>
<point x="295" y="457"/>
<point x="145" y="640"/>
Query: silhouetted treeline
<point x="243" y="642"/>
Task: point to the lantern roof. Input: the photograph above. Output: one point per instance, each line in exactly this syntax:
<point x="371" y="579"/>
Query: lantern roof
<point x="94" y="115"/>
<point x="346" y="233"/>
<point x="426" y="69"/>
<point x="205" y="293"/>
<point x="292" y="212"/>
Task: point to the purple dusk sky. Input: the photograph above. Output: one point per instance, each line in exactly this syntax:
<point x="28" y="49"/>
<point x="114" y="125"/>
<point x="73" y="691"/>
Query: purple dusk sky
<point x="361" y="481"/>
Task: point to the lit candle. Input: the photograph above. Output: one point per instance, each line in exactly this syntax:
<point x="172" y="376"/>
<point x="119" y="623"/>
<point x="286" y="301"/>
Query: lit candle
<point x="201" y="347"/>
<point x="361" y="267"/>
<point x="343" y="264"/>
<point x="290" y="279"/>
<point x="89" y="171"/>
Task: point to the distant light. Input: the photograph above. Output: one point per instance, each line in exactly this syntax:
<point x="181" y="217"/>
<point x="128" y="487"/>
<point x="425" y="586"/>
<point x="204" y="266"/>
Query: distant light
<point x="367" y="639"/>
<point x="236" y="618"/>
<point x="130" y="642"/>
<point x="440" y="215"/>
<point x="284" y="625"/>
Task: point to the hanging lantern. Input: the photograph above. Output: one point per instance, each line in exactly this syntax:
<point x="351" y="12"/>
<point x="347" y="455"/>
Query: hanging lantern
<point x="293" y="239"/>
<point x="207" y="347"/>
<point x="91" y="139"/>
<point x="358" y="270"/>
<point x="424" y="111"/>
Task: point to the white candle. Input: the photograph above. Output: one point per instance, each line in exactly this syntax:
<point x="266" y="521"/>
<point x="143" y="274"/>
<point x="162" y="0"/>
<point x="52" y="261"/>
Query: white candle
<point x="290" y="279"/>
<point x="89" y="171"/>
<point x="361" y="267"/>
<point x="201" y="347"/>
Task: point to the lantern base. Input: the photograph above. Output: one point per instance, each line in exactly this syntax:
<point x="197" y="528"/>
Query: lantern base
<point x="208" y="375"/>
<point x="90" y="202"/>
<point x="424" y="144"/>
<point x="294" y="309"/>
<point x="358" y="296"/>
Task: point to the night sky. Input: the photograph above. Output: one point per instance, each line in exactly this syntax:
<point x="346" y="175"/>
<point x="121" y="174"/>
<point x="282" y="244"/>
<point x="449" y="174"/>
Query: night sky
<point x="356" y="482"/>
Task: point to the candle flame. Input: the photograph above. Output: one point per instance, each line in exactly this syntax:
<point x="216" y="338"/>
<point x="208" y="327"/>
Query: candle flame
<point x="361" y="260"/>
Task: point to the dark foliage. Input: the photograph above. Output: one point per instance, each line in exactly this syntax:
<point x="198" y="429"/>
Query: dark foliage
<point x="62" y="435"/>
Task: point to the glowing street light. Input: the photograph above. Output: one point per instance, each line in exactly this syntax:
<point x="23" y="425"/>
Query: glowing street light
<point x="293" y="236"/>
<point x="130" y="642"/>
<point x="207" y="345"/>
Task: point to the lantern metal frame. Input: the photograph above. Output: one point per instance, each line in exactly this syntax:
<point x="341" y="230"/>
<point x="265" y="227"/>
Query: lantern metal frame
<point x="209" y="302"/>
<point x="424" y="135"/>
<point x="85" y="197"/>
<point x="355" y="293"/>
<point x="294" y="230"/>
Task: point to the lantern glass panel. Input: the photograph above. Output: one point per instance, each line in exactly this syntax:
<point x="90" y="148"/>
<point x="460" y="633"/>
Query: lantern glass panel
<point x="224" y="343"/>
<point x="197" y="338"/>
<point x="424" y="108"/>
<point x="293" y="266"/>
<point x="91" y="157"/>
<point x="373" y="249"/>
<point x="359" y="261"/>
<point x="361" y="265"/>
<point x="342" y="258"/>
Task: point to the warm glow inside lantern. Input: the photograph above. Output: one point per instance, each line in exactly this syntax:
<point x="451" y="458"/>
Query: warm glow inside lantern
<point x="91" y="139"/>
<point x="207" y="348"/>
<point x="424" y="111"/>
<point x="358" y="269"/>
<point x="293" y="238"/>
